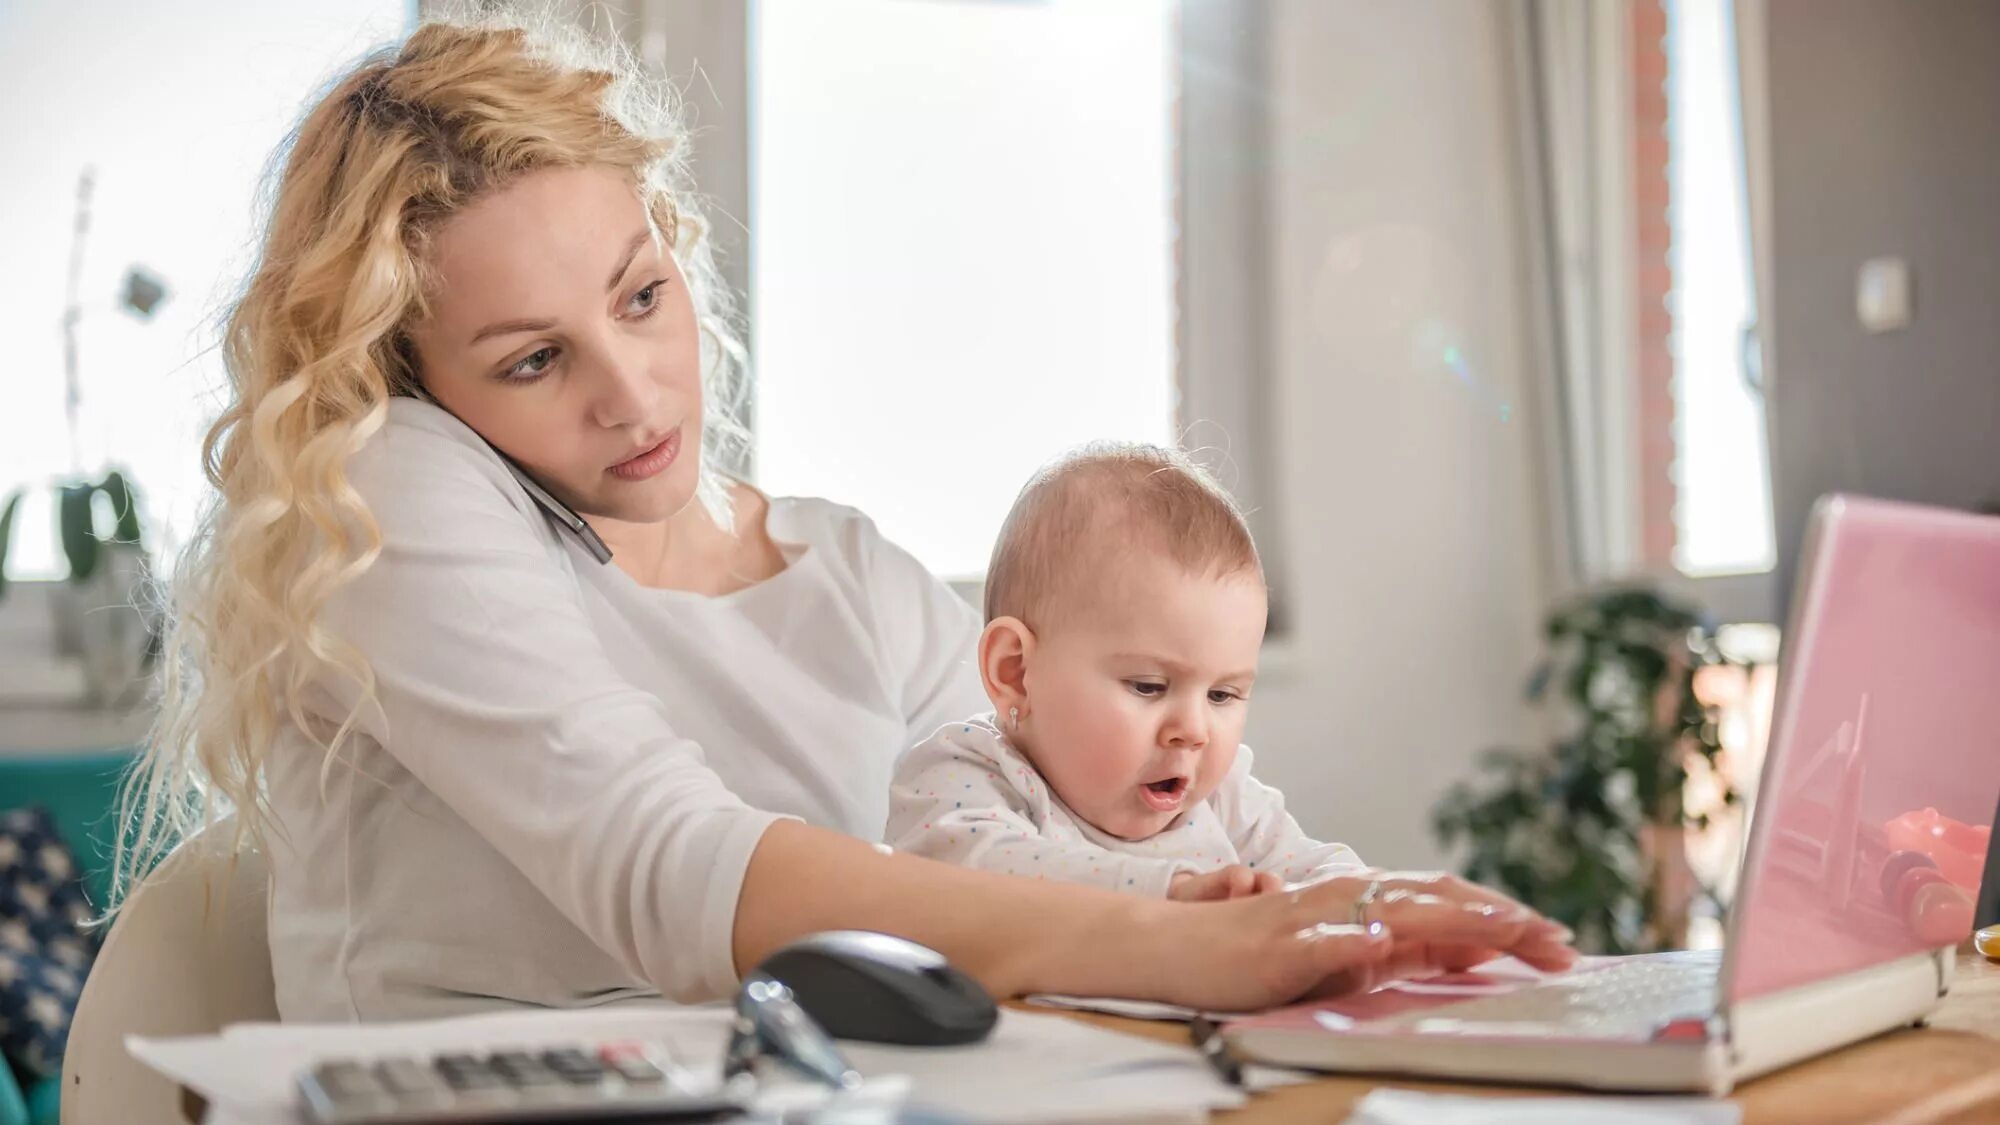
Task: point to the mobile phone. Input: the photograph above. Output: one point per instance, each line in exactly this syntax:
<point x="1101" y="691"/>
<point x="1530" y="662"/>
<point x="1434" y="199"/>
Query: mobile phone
<point x="559" y="512"/>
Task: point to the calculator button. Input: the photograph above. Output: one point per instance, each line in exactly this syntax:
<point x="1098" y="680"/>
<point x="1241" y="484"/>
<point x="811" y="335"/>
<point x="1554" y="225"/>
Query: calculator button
<point x="410" y="1082"/>
<point x="469" y="1074"/>
<point x="573" y="1066"/>
<point x="348" y="1079"/>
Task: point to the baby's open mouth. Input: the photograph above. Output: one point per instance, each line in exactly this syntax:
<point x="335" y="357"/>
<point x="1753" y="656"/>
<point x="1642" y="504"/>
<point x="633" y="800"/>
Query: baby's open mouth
<point x="1166" y="793"/>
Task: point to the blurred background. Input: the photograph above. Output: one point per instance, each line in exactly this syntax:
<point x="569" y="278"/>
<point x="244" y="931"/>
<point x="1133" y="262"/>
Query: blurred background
<point x="1528" y="330"/>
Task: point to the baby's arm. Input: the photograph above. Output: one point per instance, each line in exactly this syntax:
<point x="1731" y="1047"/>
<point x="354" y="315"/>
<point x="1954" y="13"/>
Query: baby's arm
<point x="963" y="797"/>
<point x="1265" y="835"/>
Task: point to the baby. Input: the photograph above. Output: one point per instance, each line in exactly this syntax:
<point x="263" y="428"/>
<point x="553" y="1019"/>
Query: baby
<point x="1125" y="607"/>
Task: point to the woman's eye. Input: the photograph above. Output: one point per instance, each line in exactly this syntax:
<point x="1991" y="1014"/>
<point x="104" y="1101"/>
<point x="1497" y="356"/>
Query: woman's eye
<point x="1147" y="688"/>
<point x="646" y="300"/>
<point x="532" y="366"/>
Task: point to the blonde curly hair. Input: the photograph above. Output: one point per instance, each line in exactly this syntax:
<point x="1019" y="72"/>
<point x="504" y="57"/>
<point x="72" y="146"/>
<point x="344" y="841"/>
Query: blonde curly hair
<point x="317" y="345"/>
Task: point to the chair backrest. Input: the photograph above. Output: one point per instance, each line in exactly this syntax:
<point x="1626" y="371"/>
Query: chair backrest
<point x="190" y="952"/>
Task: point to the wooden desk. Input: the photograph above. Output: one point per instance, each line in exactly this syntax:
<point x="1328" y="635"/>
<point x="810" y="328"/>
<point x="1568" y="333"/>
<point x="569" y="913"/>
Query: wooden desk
<point x="1944" y="1074"/>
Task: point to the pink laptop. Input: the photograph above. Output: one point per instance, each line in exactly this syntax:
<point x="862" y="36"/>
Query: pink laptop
<point x="1867" y="840"/>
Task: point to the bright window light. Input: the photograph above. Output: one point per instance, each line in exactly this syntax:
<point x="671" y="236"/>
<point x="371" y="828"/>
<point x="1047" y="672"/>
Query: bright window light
<point x="963" y="251"/>
<point x="1722" y="466"/>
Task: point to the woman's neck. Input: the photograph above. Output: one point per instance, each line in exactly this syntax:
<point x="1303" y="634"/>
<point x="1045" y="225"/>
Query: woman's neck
<point x="689" y="551"/>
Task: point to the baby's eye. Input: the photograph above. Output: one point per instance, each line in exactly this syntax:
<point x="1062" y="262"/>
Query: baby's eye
<point x="1221" y="697"/>
<point x="1147" y="688"/>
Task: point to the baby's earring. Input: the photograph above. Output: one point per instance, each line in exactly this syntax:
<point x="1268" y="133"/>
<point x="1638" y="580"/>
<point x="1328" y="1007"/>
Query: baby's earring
<point x="1014" y="719"/>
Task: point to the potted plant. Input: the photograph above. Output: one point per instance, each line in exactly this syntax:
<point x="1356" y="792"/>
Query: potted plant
<point x="1592" y="830"/>
<point x="100" y="612"/>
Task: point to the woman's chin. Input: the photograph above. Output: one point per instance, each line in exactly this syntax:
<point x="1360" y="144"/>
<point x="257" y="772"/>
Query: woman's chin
<point x="653" y="501"/>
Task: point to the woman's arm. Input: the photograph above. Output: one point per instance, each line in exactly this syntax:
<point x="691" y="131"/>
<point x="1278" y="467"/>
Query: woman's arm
<point x="1024" y="935"/>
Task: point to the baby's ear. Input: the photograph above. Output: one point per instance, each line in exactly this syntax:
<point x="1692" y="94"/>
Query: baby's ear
<point x="1004" y="651"/>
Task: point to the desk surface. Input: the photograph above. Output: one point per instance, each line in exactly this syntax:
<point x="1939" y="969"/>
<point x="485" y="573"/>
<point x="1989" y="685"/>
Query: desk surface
<point x="1944" y="1074"/>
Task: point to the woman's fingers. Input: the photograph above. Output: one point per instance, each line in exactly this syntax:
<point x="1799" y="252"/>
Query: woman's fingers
<point x="1439" y="920"/>
<point x="1345" y="958"/>
<point x="1440" y="923"/>
<point x="1548" y="952"/>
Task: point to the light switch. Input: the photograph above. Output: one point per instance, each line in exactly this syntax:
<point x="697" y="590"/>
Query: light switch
<point x="1882" y="294"/>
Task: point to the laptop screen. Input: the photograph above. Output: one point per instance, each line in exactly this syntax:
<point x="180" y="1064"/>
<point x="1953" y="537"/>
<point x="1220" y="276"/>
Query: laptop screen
<point x="1874" y="816"/>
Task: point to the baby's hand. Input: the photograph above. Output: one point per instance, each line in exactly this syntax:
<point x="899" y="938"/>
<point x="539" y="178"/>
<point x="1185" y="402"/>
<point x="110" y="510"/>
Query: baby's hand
<point x="1234" y="881"/>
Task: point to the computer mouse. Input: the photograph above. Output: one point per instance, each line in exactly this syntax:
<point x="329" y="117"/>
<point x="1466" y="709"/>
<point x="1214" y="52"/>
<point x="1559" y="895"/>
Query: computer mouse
<point x="883" y="989"/>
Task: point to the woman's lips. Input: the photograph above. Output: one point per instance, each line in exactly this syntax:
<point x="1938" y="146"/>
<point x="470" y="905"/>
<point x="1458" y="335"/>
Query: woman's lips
<point x="1165" y="795"/>
<point x="652" y="462"/>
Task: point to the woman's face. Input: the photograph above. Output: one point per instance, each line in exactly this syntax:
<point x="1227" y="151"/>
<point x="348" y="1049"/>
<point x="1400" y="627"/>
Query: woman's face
<point x="562" y="331"/>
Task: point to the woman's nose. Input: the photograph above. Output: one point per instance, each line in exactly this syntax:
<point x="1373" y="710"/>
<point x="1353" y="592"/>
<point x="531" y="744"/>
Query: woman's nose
<point x="627" y="393"/>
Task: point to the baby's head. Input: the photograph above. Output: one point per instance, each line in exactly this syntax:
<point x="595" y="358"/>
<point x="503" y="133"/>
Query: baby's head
<point x="1125" y="607"/>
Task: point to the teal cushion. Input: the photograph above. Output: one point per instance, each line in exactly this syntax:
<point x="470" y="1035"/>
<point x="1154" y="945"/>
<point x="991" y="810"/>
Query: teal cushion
<point x="13" y="1111"/>
<point x="45" y="1102"/>
<point x="80" y="790"/>
<point x="81" y="793"/>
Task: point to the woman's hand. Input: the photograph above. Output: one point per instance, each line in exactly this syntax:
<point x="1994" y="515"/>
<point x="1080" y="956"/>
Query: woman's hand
<point x="1335" y="937"/>
<point x="1234" y="881"/>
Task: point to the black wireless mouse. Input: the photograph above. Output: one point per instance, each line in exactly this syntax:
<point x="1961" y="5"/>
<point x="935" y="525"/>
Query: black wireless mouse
<point x="882" y="989"/>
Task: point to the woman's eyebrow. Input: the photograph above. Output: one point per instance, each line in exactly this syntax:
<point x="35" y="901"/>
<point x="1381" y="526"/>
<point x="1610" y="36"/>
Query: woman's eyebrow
<point x="625" y="263"/>
<point x="507" y="327"/>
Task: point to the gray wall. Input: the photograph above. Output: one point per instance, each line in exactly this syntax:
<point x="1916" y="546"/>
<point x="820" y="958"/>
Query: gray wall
<point x="1885" y="140"/>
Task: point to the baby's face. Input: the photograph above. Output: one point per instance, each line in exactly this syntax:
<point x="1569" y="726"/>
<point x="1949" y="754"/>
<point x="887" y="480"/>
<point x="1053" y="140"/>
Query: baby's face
<point x="1136" y="707"/>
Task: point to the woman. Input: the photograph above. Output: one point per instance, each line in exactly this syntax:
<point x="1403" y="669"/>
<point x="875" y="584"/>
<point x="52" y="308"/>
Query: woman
<point x="488" y="767"/>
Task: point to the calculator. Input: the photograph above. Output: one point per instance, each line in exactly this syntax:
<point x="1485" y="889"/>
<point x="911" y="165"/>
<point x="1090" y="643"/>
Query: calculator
<point x="579" y="1082"/>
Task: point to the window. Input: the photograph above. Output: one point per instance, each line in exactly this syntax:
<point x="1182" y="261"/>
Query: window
<point x="964" y="252"/>
<point x="1640" y="159"/>
<point x="175" y="117"/>
<point x="1721" y="468"/>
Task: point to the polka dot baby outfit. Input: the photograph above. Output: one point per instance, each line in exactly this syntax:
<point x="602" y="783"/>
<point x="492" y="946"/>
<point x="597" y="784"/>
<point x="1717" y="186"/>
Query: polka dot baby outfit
<point x="967" y="796"/>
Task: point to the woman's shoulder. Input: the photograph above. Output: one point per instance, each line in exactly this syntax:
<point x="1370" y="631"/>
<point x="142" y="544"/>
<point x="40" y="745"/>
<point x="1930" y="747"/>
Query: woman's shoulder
<point x="425" y="463"/>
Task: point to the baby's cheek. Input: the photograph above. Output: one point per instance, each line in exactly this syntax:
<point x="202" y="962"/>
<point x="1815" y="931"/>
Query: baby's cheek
<point x="1093" y="774"/>
<point x="1217" y="763"/>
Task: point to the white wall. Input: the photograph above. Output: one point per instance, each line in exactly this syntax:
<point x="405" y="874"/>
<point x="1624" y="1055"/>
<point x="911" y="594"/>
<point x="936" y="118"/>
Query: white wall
<point x="1408" y="486"/>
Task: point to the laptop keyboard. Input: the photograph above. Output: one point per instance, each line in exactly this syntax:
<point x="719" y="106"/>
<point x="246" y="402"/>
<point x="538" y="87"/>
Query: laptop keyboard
<point x="1627" y="999"/>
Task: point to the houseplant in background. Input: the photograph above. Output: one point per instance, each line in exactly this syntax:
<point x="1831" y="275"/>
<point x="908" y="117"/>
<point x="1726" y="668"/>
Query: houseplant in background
<point x="102" y="612"/>
<point x="1592" y="830"/>
<point x="104" y="606"/>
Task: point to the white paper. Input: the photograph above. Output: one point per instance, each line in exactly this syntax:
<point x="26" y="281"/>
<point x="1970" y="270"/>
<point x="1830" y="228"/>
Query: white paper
<point x="1410" y="1107"/>
<point x="1034" y="1068"/>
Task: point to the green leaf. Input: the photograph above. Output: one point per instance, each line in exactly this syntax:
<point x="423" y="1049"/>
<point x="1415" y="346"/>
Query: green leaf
<point x="76" y="521"/>
<point x="124" y="503"/>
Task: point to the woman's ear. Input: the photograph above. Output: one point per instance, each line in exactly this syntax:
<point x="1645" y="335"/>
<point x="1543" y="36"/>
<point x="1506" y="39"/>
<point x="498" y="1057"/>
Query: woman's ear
<point x="1004" y="651"/>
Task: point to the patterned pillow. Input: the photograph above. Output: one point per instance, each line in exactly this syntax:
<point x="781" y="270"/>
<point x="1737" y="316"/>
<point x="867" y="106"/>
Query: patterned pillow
<point x="44" y="949"/>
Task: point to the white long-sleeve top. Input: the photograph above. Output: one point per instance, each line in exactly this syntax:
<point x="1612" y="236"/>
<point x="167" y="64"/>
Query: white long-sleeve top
<point x="968" y="796"/>
<point x="557" y="791"/>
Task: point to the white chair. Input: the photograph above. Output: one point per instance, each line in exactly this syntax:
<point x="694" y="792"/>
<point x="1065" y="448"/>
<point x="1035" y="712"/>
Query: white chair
<point x="189" y="953"/>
